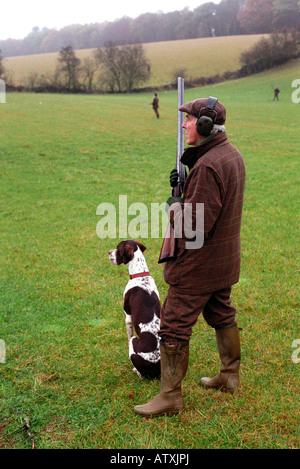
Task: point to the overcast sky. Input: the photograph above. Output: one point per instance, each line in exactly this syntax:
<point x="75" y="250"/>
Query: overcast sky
<point x="18" y="17"/>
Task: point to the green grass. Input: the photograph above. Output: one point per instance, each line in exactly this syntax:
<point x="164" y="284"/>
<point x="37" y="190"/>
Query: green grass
<point x="61" y="312"/>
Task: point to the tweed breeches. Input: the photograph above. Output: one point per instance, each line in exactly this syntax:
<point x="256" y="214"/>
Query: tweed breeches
<point x="180" y="313"/>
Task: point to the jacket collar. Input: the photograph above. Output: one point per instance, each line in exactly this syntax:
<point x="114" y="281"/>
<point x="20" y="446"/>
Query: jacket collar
<point x="192" y="154"/>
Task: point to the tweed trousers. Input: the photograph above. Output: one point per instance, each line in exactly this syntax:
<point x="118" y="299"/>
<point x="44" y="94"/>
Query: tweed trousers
<point x="180" y="313"/>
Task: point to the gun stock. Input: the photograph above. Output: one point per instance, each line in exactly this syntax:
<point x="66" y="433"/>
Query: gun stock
<point x="168" y="249"/>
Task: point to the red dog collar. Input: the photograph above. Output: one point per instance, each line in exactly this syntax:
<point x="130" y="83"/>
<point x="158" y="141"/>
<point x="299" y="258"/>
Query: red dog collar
<point x="141" y="274"/>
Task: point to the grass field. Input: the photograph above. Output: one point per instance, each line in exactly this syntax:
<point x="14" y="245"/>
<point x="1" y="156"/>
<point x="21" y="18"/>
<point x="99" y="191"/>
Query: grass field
<point x="61" y="315"/>
<point x="200" y="57"/>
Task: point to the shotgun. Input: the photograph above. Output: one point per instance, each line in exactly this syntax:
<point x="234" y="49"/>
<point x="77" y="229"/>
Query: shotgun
<point x="168" y="249"/>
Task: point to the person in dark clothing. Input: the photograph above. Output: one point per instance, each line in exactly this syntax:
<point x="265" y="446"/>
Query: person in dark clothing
<point x="276" y="93"/>
<point x="200" y="279"/>
<point x="155" y="105"/>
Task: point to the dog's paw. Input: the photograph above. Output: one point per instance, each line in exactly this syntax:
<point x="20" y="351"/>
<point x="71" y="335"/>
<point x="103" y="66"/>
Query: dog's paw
<point x="137" y="372"/>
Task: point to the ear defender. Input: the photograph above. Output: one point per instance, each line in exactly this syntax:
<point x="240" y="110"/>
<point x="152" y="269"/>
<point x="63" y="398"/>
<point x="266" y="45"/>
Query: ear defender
<point x="206" y="122"/>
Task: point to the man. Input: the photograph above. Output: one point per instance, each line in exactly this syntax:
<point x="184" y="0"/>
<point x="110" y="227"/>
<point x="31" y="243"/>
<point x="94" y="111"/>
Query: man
<point x="201" y="279"/>
<point x="276" y="93"/>
<point x="155" y="105"/>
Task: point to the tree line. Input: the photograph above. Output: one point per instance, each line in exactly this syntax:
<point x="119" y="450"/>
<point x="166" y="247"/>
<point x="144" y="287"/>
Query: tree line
<point x="229" y="17"/>
<point x="116" y="69"/>
<point x="111" y="68"/>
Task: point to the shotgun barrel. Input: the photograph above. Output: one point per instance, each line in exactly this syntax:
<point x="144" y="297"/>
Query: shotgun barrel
<point x="180" y="133"/>
<point x="168" y="249"/>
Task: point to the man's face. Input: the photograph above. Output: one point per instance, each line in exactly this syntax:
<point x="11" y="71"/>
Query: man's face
<point x="191" y="134"/>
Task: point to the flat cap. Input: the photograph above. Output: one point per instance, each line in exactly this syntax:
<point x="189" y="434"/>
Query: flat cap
<point x="194" y="108"/>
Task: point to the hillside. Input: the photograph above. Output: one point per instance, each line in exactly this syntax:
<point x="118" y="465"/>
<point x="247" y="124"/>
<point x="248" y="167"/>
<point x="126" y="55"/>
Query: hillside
<point x="200" y="57"/>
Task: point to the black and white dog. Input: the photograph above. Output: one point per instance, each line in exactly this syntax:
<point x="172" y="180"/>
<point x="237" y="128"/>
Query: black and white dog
<point x="141" y="307"/>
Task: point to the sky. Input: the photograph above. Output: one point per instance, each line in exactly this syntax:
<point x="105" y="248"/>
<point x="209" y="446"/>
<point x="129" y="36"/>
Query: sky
<point x="18" y="17"/>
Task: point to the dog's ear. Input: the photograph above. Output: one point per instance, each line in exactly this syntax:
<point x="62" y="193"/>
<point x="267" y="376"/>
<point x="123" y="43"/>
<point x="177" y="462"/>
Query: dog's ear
<point x="126" y="252"/>
<point x="140" y="245"/>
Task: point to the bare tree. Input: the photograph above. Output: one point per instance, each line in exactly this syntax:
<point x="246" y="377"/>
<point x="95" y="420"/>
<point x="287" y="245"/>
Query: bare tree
<point x="31" y="80"/>
<point x="134" y="66"/>
<point x="69" y="65"/>
<point x="109" y="58"/>
<point x="123" y="66"/>
<point x="89" y="68"/>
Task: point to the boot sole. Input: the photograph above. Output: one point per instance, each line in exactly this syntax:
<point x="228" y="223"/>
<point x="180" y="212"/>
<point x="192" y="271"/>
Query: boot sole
<point x="168" y="412"/>
<point x="221" y="388"/>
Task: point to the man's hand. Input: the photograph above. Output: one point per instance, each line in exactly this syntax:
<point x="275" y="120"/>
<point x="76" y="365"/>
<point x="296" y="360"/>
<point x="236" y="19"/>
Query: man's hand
<point x="174" y="177"/>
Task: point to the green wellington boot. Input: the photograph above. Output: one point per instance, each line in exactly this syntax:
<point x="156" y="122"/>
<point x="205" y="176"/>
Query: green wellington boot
<point x="230" y="354"/>
<point x="174" y="364"/>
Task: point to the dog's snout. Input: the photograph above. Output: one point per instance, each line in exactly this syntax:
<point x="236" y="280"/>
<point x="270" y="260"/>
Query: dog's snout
<point x="112" y="256"/>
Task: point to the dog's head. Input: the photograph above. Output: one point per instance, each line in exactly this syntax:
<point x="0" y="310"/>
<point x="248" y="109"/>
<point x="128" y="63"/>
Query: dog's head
<point x="125" y="251"/>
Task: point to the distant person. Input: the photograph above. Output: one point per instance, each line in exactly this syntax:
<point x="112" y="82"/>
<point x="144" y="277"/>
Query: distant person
<point x="155" y="105"/>
<point x="276" y="93"/>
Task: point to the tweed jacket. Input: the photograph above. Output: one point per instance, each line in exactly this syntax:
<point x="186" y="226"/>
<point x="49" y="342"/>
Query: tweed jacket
<point x="216" y="179"/>
<point x="155" y="103"/>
